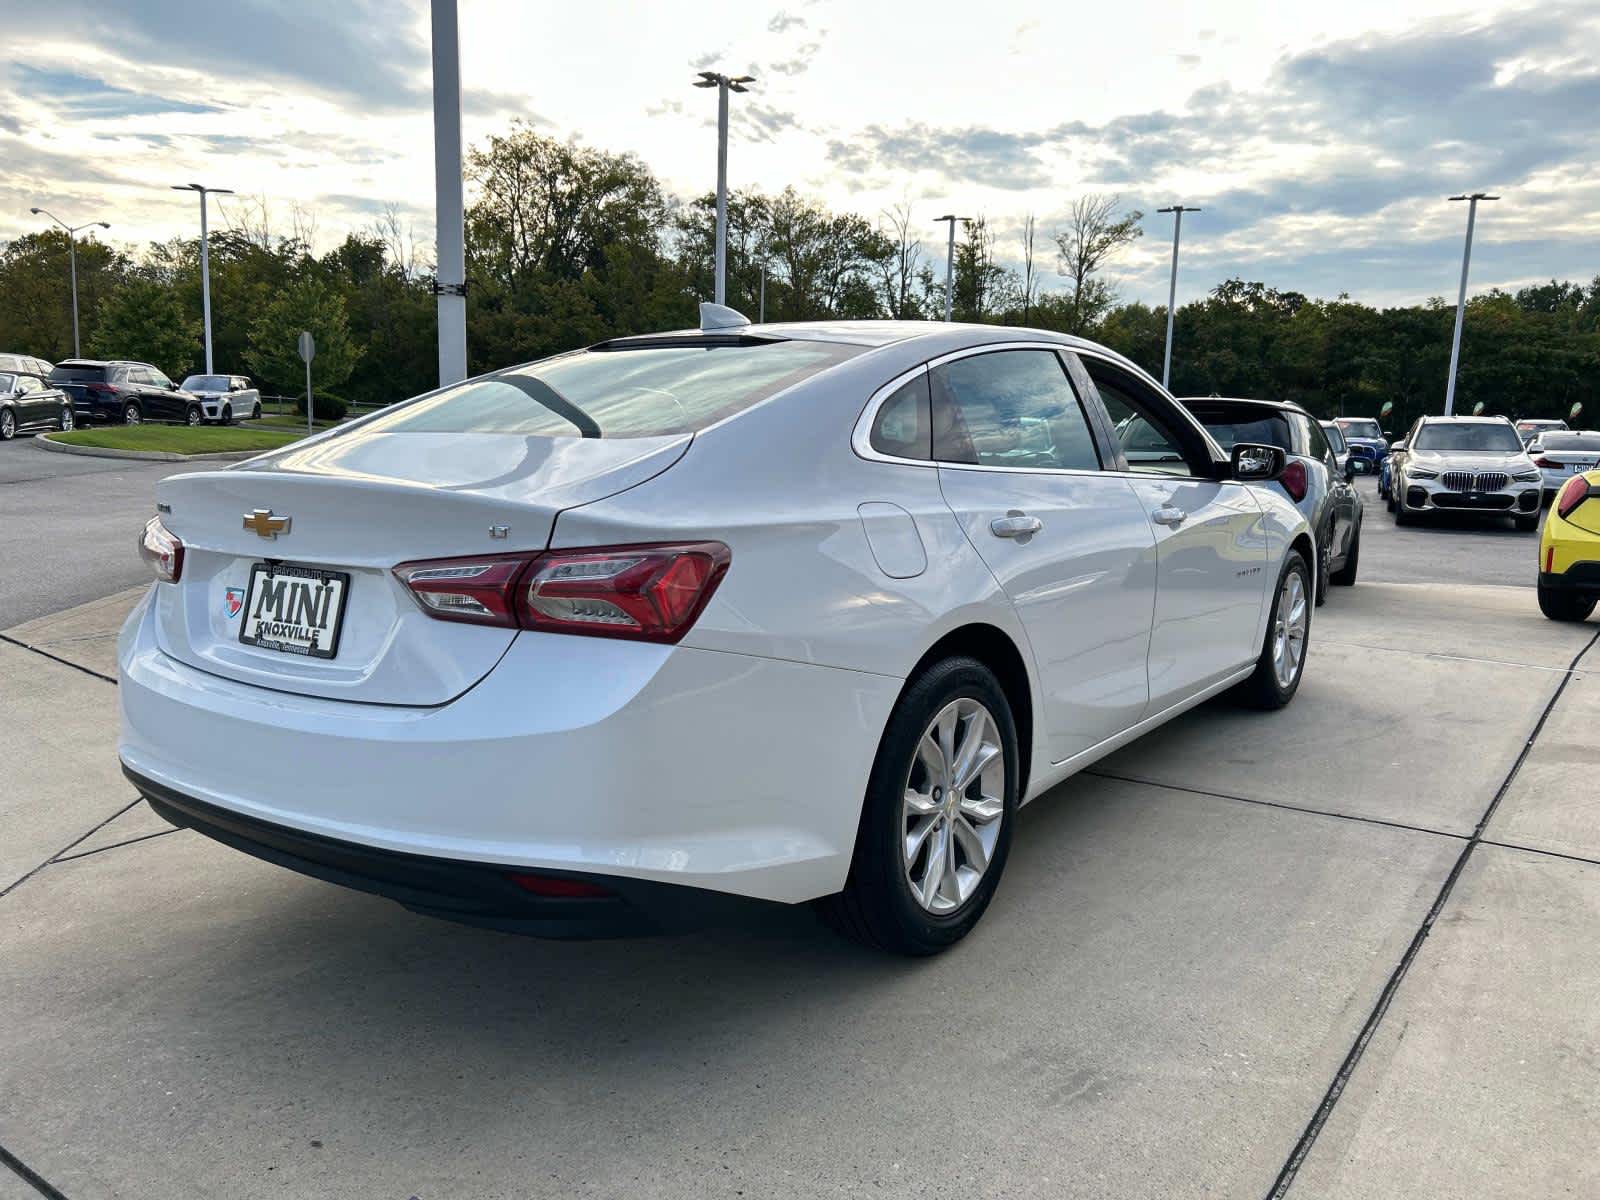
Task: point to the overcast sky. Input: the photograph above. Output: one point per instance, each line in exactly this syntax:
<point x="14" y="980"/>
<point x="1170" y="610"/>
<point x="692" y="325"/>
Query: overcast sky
<point x="1320" y="139"/>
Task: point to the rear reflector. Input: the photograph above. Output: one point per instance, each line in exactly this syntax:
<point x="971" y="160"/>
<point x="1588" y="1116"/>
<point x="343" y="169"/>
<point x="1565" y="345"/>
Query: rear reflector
<point x="160" y="548"/>
<point x="648" y="593"/>
<point x="556" y="888"/>
<point x="1573" y="493"/>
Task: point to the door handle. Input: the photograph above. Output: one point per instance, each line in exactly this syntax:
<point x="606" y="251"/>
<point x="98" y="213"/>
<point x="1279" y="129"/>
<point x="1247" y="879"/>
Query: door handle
<point x="1015" y="525"/>
<point x="1169" y="515"/>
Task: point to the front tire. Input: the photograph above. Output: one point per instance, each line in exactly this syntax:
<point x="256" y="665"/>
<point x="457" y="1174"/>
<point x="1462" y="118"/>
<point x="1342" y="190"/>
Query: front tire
<point x="1564" y="606"/>
<point x="1324" y="568"/>
<point x="8" y="424"/>
<point x="936" y="821"/>
<point x="227" y="414"/>
<point x="1283" y="653"/>
<point x="66" y="422"/>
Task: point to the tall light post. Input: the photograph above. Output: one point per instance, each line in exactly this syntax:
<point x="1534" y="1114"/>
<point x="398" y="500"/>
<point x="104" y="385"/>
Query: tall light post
<point x="450" y="276"/>
<point x="205" y="255"/>
<point x="724" y="85"/>
<point x="1461" y="299"/>
<point x="1177" y="211"/>
<point x="950" y="263"/>
<point x="72" y="256"/>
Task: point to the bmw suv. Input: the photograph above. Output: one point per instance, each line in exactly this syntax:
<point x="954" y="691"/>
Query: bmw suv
<point x="1464" y="464"/>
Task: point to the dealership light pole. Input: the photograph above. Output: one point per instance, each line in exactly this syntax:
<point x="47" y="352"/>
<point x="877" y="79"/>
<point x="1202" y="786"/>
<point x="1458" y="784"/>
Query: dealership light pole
<point x="205" y="256"/>
<point x="72" y="255"/>
<point x="1461" y="299"/>
<point x="950" y="263"/>
<point x="450" y="276"/>
<point x="724" y="85"/>
<point x="1177" y="211"/>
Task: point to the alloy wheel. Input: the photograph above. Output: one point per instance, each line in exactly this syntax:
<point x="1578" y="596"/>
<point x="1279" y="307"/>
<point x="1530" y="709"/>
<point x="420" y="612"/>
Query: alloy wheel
<point x="1290" y="620"/>
<point x="131" y="415"/>
<point x="67" y="421"/>
<point x="954" y="805"/>
<point x="8" y="426"/>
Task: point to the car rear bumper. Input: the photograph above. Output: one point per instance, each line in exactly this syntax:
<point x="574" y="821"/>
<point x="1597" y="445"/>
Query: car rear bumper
<point x="1580" y="579"/>
<point x="697" y="768"/>
<point x="467" y="892"/>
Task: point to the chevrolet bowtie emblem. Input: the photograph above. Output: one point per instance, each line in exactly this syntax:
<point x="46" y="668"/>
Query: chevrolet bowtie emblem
<point x="263" y="523"/>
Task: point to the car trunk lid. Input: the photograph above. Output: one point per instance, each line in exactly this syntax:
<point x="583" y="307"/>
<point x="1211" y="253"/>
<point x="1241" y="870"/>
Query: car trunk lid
<point x="356" y="505"/>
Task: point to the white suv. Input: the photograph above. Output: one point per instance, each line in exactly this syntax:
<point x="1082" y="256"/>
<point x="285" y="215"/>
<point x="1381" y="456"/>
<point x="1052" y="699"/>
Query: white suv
<point x="1464" y="464"/>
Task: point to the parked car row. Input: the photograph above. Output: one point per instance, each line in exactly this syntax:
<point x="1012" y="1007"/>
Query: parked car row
<point x="37" y="395"/>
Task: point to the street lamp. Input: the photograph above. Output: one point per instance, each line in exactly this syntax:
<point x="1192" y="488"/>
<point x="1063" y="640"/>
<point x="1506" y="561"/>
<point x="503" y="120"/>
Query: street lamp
<point x="950" y="263"/>
<point x="205" y="255"/>
<point x="72" y="255"/>
<point x="724" y="85"/>
<point x="1461" y="299"/>
<point x="450" y="274"/>
<point x="1177" y="211"/>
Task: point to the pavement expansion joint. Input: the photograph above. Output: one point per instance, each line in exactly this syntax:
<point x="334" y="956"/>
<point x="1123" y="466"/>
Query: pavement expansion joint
<point x="15" y="884"/>
<point x="29" y="1176"/>
<point x="66" y="662"/>
<point x="1299" y="808"/>
<point x="1319" y="1118"/>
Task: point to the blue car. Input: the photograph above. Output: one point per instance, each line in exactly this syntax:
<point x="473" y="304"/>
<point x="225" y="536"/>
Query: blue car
<point x="1383" y="479"/>
<point x="1368" y="447"/>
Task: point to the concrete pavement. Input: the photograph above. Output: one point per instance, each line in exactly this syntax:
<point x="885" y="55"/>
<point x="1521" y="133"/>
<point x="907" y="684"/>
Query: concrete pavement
<point x="1188" y="943"/>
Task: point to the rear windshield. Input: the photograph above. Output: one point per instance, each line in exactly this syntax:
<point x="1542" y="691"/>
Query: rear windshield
<point x="69" y="374"/>
<point x="1361" y="429"/>
<point x="647" y="392"/>
<point x="1500" y="438"/>
<point x="1267" y="429"/>
<point x="1571" y="441"/>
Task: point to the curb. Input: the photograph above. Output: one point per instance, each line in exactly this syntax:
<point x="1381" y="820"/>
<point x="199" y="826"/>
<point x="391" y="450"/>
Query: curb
<point x="44" y="441"/>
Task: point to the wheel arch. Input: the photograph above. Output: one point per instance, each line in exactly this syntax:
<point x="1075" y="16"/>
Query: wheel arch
<point x="995" y="649"/>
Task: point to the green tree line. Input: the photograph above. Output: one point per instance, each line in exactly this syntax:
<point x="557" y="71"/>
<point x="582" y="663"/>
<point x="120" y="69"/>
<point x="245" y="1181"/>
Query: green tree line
<point x="567" y="244"/>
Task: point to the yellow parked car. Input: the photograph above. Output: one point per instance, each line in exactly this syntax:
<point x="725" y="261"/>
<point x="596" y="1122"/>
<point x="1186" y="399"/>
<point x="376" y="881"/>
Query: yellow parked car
<point x="1569" y="551"/>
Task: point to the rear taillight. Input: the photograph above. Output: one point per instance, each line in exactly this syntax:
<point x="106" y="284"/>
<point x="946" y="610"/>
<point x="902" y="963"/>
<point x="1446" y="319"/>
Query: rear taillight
<point x="1545" y="463"/>
<point x="1294" y="480"/>
<point x="1573" y="493"/>
<point x="648" y="593"/>
<point x="103" y="388"/>
<point x="161" y="548"/>
<point x="479" y="591"/>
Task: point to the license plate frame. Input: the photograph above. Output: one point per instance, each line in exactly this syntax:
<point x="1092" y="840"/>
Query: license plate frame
<point x="293" y="571"/>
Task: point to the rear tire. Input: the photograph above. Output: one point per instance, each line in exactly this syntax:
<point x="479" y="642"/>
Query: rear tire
<point x="1564" y="606"/>
<point x="131" y="414"/>
<point x="916" y="885"/>
<point x="1324" y="568"/>
<point x="8" y="424"/>
<point x="1282" y="662"/>
<point x="194" y="415"/>
<point x="255" y="412"/>
<point x="1345" y="576"/>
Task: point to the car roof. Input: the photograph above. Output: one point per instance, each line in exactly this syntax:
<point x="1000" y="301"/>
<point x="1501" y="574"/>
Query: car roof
<point x="1440" y="418"/>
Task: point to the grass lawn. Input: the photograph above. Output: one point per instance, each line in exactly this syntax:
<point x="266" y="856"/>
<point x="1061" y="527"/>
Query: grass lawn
<point x="287" y="421"/>
<point x="180" y="439"/>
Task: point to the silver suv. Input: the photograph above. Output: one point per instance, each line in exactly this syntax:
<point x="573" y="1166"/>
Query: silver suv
<point x="1464" y="464"/>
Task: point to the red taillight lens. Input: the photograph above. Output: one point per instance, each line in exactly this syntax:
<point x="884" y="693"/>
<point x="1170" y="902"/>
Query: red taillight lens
<point x="556" y="888"/>
<point x="161" y="548"/>
<point x="1294" y="480"/>
<point x="650" y="593"/>
<point x="480" y="591"/>
<point x="1545" y="463"/>
<point x="1573" y="493"/>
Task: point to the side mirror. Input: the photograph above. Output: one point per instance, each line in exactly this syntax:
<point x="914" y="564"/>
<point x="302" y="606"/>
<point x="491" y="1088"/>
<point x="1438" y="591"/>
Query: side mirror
<point x="1387" y="436"/>
<point x="1397" y="447"/>
<point x="1258" y="464"/>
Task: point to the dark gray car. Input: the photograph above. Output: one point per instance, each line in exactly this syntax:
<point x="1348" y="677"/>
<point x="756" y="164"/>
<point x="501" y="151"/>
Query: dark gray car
<point x="1315" y="479"/>
<point x="27" y="403"/>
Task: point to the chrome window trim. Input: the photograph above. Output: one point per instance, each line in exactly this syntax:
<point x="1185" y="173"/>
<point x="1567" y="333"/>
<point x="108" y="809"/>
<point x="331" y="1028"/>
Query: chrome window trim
<point x="861" y="437"/>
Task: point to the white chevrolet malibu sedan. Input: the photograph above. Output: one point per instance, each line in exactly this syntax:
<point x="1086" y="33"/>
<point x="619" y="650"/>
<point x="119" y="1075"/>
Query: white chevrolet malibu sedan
<point x="771" y="613"/>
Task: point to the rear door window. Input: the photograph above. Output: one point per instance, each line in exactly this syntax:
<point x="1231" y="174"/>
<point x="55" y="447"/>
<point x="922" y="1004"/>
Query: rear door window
<point x="1010" y="408"/>
<point x="641" y="391"/>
